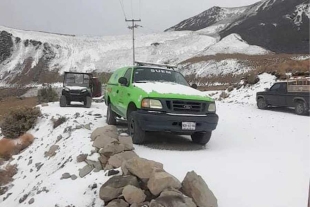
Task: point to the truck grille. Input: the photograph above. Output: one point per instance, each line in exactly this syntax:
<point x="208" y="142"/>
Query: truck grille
<point x="186" y="106"/>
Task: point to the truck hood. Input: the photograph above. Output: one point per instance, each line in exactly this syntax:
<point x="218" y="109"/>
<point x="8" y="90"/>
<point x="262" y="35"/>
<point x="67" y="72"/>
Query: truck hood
<point x="171" y="90"/>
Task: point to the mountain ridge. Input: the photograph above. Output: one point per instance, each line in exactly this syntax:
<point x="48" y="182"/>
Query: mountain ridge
<point x="281" y="26"/>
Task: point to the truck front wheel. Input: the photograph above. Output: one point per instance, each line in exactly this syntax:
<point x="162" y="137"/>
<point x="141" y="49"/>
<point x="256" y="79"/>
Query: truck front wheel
<point x="261" y="103"/>
<point x="63" y="101"/>
<point x="111" y="116"/>
<point x="300" y="108"/>
<point x="87" y="102"/>
<point x="137" y="134"/>
<point x="201" y="138"/>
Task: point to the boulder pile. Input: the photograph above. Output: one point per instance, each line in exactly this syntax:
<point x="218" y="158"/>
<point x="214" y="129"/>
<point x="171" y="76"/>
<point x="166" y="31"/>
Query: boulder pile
<point x="142" y="182"/>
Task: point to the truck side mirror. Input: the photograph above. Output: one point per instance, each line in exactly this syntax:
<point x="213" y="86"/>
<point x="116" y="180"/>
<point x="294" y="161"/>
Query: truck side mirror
<point x="266" y="89"/>
<point x="123" y="81"/>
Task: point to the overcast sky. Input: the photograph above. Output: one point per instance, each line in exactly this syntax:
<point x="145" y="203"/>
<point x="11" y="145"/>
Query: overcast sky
<point x="102" y="17"/>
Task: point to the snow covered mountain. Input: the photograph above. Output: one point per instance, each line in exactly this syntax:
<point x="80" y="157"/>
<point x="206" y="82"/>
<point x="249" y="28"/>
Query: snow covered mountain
<point x="27" y="57"/>
<point x="281" y="26"/>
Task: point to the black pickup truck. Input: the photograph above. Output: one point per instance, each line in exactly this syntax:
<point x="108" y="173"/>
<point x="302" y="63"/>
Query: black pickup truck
<point x="286" y="94"/>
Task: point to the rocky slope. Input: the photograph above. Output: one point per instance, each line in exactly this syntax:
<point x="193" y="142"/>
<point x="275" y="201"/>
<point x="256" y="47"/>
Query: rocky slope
<point x="281" y="26"/>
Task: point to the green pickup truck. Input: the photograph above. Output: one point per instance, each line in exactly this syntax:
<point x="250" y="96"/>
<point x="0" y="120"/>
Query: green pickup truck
<point x="155" y="97"/>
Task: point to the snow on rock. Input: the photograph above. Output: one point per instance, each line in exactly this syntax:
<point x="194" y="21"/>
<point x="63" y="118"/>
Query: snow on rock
<point x="40" y="177"/>
<point x="213" y="67"/>
<point x="101" y="54"/>
<point x="233" y="43"/>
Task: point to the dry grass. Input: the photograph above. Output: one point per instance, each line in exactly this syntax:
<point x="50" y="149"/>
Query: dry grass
<point x="6" y="174"/>
<point x="276" y="64"/>
<point x="10" y="103"/>
<point x="19" y="121"/>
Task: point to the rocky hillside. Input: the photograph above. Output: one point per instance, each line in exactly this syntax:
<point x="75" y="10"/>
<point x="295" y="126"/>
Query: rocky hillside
<point x="281" y="26"/>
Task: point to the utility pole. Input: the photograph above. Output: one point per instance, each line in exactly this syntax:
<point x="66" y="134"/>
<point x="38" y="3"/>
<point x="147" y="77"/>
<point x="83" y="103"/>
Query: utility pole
<point x="133" y="36"/>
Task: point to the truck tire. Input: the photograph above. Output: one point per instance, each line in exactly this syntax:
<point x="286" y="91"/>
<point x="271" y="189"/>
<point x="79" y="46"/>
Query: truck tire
<point x="261" y="103"/>
<point x="137" y="134"/>
<point x="201" y="138"/>
<point x="63" y="101"/>
<point x="111" y="116"/>
<point x="300" y="108"/>
<point x="87" y="102"/>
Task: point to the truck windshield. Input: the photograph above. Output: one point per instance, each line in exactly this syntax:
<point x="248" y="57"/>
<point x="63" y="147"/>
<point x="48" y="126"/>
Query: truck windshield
<point x="77" y="80"/>
<point x="158" y="75"/>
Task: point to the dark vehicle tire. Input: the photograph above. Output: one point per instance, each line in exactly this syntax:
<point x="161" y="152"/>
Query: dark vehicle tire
<point x="201" y="138"/>
<point x="63" y="101"/>
<point x="137" y="134"/>
<point x="111" y="116"/>
<point x="68" y="102"/>
<point x="300" y="108"/>
<point x="261" y="103"/>
<point x="88" y="101"/>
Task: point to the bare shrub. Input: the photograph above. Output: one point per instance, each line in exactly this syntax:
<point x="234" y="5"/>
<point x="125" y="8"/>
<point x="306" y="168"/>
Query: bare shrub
<point x="224" y="95"/>
<point x="19" y="121"/>
<point x="6" y="174"/>
<point x="59" y="121"/>
<point x="47" y="94"/>
<point x="251" y="79"/>
<point x="230" y="88"/>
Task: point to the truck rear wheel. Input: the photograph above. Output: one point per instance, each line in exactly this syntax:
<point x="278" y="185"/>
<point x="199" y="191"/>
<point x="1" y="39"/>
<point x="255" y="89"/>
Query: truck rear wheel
<point x="201" y="138"/>
<point x="111" y="116"/>
<point x="137" y="134"/>
<point x="63" y="101"/>
<point x="300" y="108"/>
<point x="261" y="103"/>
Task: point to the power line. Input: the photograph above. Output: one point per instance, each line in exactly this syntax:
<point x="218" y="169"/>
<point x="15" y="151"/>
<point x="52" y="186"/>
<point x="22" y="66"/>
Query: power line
<point x="122" y="6"/>
<point x="132" y="10"/>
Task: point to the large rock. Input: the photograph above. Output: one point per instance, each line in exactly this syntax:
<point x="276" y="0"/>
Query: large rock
<point x="103" y="160"/>
<point x="141" y="167"/>
<point x="126" y="141"/>
<point x="109" y="130"/>
<point x="52" y="151"/>
<point x="144" y="204"/>
<point x="161" y="180"/>
<point x="172" y="198"/>
<point x="85" y="170"/>
<point x="113" y="188"/>
<point x="118" y="203"/>
<point x="112" y="149"/>
<point x="103" y="140"/>
<point x="196" y="188"/>
<point x="118" y="159"/>
<point x="133" y="194"/>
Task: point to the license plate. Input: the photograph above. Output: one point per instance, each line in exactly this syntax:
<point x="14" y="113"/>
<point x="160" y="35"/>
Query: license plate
<point x="188" y="125"/>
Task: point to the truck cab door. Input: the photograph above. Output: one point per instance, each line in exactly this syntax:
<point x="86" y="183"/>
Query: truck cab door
<point x="272" y="97"/>
<point x="124" y="93"/>
<point x="282" y="95"/>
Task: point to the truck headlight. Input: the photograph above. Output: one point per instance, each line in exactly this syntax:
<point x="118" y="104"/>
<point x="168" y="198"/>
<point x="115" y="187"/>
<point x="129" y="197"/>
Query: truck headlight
<point x="67" y="89"/>
<point x="151" y="103"/>
<point x="212" y="107"/>
<point x="84" y="90"/>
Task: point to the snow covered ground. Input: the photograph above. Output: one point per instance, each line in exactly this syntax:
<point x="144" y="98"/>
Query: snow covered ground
<point x="255" y="157"/>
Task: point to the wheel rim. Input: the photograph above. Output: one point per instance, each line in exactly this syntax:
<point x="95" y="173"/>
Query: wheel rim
<point x="261" y="103"/>
<point x="299" y="109"/>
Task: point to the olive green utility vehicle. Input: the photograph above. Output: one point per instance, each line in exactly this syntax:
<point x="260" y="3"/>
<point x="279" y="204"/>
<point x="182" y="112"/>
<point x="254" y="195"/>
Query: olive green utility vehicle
<point x="155" y="97"/>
